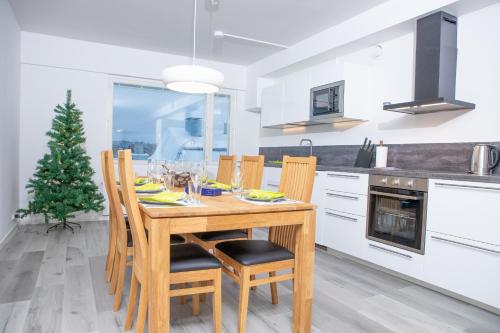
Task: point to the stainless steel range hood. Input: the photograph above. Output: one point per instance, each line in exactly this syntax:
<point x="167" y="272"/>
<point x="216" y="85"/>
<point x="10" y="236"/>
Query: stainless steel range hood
<point x="435" y="68"/>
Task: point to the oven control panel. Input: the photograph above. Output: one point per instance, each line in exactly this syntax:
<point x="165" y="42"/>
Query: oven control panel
<point x="417" y="184"/>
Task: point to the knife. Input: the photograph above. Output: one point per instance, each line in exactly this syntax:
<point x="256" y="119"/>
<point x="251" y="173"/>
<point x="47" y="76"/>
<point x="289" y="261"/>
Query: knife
<point x="364" y="143"/>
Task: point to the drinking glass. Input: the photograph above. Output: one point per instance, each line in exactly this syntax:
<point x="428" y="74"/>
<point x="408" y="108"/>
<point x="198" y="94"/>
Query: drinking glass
<point x="236" y="181"/>
<point x="194" y="189"/>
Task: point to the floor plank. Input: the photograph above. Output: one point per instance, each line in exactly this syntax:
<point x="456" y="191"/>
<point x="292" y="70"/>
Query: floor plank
<point x="45" y="311"/>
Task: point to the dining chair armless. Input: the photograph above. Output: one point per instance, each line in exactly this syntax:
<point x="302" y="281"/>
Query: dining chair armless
<point x="244" y="258"/>
<point x="189" y="263"/>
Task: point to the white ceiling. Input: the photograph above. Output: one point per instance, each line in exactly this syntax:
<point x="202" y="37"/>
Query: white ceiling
<point x="166" y="25"/>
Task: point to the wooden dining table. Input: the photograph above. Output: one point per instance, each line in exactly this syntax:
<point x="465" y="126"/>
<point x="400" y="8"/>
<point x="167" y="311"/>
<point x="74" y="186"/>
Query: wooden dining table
<point x="226" y="213"/>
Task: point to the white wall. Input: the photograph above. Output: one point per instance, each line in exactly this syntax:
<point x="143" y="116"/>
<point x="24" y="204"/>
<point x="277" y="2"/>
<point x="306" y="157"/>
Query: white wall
<point x="51" y="65"/>
<point x="477" y="81"/>
<point x="9" y="115"/>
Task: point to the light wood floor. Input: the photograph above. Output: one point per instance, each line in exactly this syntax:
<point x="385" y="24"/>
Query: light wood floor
<point x="55" y="283"/>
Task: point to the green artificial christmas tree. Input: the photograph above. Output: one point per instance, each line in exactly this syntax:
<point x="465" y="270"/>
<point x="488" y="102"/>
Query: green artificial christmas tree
<point x="62" y="184"/>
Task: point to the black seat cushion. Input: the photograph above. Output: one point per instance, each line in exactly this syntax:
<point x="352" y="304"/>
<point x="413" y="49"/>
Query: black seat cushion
<point x="252" y="252"/>
<point x="191" y="257"/>
<point x="126" y="222"/>
<point x="130" y="242"/>
<point x="176" y="239"/>
<point x="221" y="235"/>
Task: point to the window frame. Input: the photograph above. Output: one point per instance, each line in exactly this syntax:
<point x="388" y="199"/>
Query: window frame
<point x="209" y="113"/>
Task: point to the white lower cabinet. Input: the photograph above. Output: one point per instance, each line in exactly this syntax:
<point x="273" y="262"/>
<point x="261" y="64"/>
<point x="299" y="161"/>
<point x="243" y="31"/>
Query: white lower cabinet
<point x="271" y="179"/>
<point x="393" y="258"/>
<point x="343" y="232"/>
<point x="463" y="266"/>
<point x="351" y="203"/>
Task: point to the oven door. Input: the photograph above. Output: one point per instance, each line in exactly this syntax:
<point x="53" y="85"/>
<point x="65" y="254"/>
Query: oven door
<point x="397" y="218"/>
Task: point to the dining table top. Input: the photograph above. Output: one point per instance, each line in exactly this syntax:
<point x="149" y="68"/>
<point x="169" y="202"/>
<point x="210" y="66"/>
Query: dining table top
<point x="225" y="204"/>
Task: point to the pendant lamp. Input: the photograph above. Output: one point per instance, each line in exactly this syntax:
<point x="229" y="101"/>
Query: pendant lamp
<point x="193" y="79"/>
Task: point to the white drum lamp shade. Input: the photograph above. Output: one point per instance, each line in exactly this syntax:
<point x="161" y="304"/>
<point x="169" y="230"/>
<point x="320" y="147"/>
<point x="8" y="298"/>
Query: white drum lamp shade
<point x="192" y="79"/>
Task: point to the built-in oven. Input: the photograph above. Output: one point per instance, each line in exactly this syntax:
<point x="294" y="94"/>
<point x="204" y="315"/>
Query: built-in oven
<point x="327" y="101"/>
<point x="397" y="208"/>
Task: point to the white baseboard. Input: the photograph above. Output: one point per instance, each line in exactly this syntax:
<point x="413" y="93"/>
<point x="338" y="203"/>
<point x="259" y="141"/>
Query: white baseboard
<point x="7" y="235"/>
<point x="81" y="217"/>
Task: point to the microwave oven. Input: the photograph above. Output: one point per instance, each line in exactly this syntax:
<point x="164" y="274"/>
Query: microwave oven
<point x="327" y="102"/>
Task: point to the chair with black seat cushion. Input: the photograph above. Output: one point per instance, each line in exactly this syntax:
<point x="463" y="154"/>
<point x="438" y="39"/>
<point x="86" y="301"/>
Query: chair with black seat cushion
<point x="244" y="258"/>
<point x="120" y="246"/>
<point x="252" y="169"/>
<point x="189" y="263"/>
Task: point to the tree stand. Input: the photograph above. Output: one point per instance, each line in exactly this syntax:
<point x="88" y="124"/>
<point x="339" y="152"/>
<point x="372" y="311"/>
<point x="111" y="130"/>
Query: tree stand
<point x="65" y="225"/>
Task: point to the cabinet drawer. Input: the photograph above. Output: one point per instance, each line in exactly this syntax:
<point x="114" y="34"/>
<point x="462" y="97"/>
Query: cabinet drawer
<point x="464" y="209"/>
<point x="466" y="267"/>
<point x="346" y="202"/>
<point x="271" y="179"/>
<point x="343" y="232"/>
<point x="347" y="182"/>
<point x="396" y="259"/>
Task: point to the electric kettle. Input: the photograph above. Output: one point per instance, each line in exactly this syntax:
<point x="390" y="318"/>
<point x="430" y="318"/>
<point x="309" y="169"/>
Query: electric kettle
<point x="484" y="159"/>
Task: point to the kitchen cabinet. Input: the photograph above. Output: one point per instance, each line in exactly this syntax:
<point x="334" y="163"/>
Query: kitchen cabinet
<point x="271" y="179"/>
<point x="296" y="97"/>
<point x="272" y="105"/>
<point x="347" y="182"/>
<point x="463" y="266"/>
<point x="342" y="231"/>
<point x="464" y="209"/>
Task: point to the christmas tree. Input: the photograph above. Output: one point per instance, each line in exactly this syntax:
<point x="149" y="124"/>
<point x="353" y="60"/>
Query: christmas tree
<point x="62" y="184"/>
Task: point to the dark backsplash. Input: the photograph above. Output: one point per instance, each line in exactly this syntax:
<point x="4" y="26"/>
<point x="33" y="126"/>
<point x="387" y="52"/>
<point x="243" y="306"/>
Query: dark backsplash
<point x="446" y="157"/>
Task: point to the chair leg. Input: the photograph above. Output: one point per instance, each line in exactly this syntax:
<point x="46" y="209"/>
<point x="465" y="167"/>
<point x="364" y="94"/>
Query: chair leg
<point x="217" y="303"/>
<point x="114" y="273"/>
<point x="196" y="301"/>
<point x="182" y="299"/>
<point x="244" y="294"/>
<point x="122" y="266"/>
<point x="143" y="309"/>
<point x="252" y="277"/>
<point x="203" y="297"/>
<point x="274" y="289"/>
<point x="131" y="302"/>
<point x="109" y="263"/>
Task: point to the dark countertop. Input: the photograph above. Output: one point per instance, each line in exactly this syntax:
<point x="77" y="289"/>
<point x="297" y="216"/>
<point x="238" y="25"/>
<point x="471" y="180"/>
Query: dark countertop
<point x="408" y="173"/>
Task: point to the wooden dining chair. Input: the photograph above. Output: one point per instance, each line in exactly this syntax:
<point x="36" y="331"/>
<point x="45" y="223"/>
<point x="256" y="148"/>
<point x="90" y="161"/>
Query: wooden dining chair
<point x="189" y="263"/>
<point x="252" y="169"/>
<point x="123" y="247"/>
<point x="226" y="168"/>
<point x="244" y="258"/>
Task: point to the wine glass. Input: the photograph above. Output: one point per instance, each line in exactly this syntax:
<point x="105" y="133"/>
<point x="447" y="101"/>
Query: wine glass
<point x="236" y="181"/>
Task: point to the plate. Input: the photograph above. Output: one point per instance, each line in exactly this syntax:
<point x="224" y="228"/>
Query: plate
<point x="266" y="200"/>
<point x="177" y="203"/>
<point x="149" y="192"/>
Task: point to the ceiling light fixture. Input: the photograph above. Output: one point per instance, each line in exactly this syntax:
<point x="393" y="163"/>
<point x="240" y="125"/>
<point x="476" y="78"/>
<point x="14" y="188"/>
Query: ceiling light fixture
<point x="221" y="34"/>
<point x="193" y="79"/>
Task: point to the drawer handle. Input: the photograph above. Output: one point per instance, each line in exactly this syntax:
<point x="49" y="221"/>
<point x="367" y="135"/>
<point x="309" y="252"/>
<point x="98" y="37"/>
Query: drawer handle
<point x="341" y="216"/>
<point x="342" y="196"/>
<point x="407" y="256"/>
<point x="272" y="185"/>
<point x="394" y="195"/>
<point x="468" y="187"/>
<point x="342" y="176"/>
<point x="465" y="244"/>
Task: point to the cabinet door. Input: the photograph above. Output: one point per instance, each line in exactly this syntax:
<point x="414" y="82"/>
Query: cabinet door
<point x="272" y="105"/>
<point x="324" y="73"/>
<point x="464" y="209"/>
<point x="318" y="200"/>
<point x="271" y="181"/>
<point x="297" y="96"/>
<point x="342" y="231"/>
<point x="468" y="268"/>
<point x="347" y="182"/>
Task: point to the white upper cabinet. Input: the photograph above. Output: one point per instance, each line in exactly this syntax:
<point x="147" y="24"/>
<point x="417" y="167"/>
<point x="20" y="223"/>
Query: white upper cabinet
<point x="272" y="105"/>
<point x="288" y="100"/>
<point x="296" y="97"/>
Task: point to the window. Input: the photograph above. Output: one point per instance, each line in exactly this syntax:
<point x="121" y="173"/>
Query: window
<point x="161" y="124"/>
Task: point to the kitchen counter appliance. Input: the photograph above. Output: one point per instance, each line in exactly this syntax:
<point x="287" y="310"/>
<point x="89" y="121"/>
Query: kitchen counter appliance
<point x="327" y="102"/>
<point x="397" y="211"/>
<point x="484" y="159"/>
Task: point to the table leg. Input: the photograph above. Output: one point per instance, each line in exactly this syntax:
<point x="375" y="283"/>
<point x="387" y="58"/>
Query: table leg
<point x="159" y="276"/>
<point x="304" y="274"/>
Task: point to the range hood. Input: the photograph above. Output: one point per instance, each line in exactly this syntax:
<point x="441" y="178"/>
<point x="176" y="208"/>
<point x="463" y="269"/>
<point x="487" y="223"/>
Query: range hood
<point x="435" y="68"/>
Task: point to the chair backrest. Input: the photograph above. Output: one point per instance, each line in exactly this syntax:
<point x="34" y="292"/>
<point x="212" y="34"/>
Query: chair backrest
<point x="252" y="168"/>
<point x="297" y="181"/>
<point x="117" y="219"/>
<point x="133" y="212"/>
<point x="226" y="168"/>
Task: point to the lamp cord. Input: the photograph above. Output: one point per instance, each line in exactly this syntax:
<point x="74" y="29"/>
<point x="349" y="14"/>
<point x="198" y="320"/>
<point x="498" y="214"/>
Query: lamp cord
<point x="194" y="32"/>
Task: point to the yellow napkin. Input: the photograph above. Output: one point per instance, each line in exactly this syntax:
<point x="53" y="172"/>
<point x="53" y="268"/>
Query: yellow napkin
<point x="140" y="181"/>
<point x="149" y="187"/>
<point x="222" y="186"/>
<point x="164" y="197"/>
<point x="265" y="195"/>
